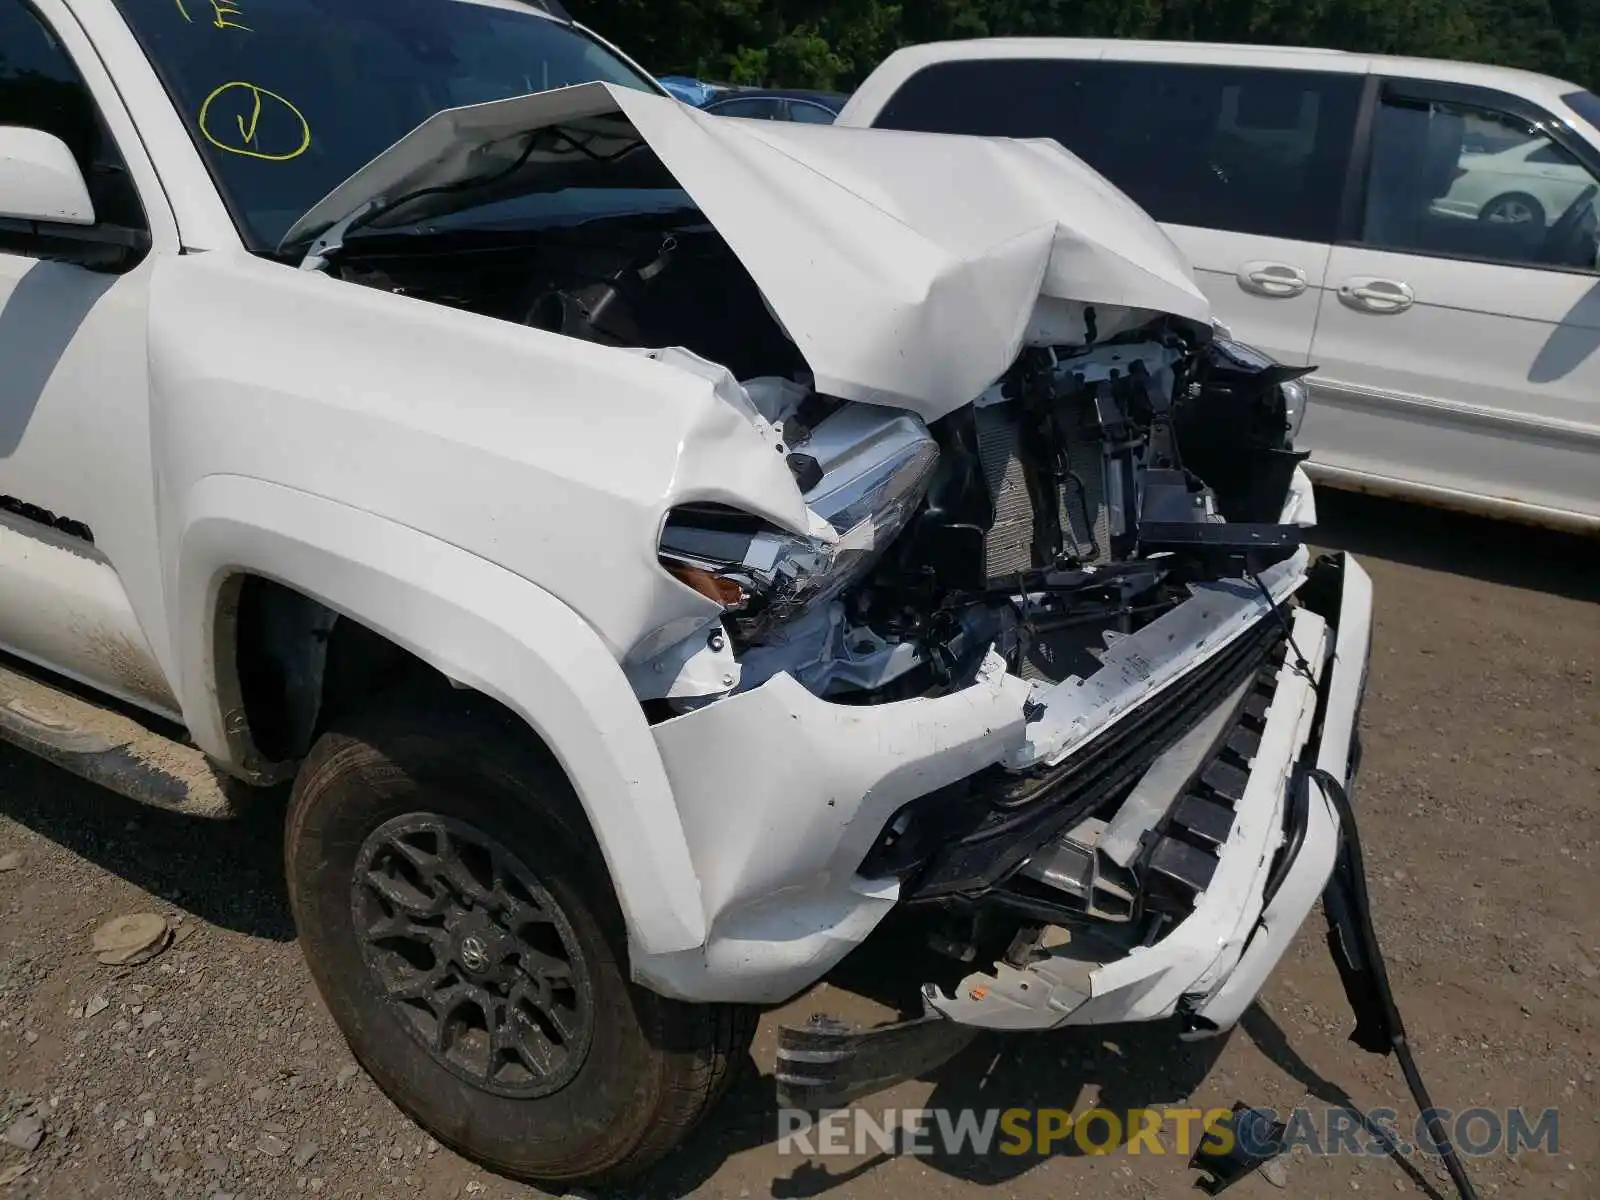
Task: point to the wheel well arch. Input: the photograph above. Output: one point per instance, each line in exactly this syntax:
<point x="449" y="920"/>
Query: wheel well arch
<point x="455" y="619"/>
<point x="293" y="667"/>
<point x="287" y="665"/>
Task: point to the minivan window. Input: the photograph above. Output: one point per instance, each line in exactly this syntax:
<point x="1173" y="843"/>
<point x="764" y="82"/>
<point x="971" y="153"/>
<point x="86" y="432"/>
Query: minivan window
<point x="1030" y="98"/>
<point x="1530" y="203"/>
<point x="1237" y="148"/>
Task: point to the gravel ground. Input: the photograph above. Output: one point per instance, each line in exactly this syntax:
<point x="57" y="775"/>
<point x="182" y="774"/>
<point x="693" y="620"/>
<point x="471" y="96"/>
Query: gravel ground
<point x="213" y="1070"/>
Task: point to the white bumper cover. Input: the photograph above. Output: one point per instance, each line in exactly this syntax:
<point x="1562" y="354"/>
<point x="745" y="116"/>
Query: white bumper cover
<point x="782" y="795"/>
<point x="1213" y="963"/>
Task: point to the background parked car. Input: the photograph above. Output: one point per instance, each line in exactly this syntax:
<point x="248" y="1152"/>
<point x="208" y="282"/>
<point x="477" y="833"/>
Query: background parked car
<point x="814" y="108"/>
<point x="690" y="90"/>
<point x="1458" y="360"/>
<point x="1532" y="181"/>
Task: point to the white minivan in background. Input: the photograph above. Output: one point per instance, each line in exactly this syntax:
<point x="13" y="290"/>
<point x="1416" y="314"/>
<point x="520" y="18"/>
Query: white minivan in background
<point x="1422" y="231"/>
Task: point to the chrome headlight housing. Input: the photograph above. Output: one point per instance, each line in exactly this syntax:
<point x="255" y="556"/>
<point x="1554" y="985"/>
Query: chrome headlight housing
<point x="1294" y="405"/>
<point x="1293" y="391"/>
<point x="868" y="469"/>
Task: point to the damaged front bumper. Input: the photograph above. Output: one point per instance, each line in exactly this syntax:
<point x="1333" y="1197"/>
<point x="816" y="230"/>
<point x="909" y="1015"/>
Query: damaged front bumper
<point x="1271" y="862"/>
<point x="1275" y="836"/>
<point x="786" y="798"/>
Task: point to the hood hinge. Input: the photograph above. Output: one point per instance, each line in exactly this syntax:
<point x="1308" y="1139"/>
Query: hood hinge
<point x="331" y="240"/>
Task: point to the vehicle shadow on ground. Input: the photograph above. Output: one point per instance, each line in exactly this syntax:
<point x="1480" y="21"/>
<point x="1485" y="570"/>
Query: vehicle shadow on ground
<point x="1504" y="552"/>
<point x="1270" y="1039"/>
<point x="228" y="873"/>
<point x="1130" y="1067"/>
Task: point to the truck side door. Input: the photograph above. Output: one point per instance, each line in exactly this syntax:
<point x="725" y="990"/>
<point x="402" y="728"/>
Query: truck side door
<point x="79" y="563"/>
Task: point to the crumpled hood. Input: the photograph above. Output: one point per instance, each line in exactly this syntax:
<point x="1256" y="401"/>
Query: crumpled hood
<point x="909" y="268"/>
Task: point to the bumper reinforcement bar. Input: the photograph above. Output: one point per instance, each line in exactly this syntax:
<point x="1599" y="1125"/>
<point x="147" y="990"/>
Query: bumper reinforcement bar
<point x="826" y="1064"/>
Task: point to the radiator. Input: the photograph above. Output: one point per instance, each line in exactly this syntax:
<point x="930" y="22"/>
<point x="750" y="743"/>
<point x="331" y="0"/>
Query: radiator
<point x="1085" y="523"/>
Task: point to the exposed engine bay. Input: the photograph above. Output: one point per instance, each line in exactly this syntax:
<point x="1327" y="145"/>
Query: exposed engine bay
<point x="1071" y="503"/>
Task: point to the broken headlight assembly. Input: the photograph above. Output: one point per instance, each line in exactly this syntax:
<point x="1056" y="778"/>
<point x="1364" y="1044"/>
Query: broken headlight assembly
<point x="1293" y="391"/>
<point x="868" y="470"/>
<point x="1294" y="405"/>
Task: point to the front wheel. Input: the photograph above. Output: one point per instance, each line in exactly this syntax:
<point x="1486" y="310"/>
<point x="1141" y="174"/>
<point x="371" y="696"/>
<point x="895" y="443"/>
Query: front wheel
<point x="459" y="922"/>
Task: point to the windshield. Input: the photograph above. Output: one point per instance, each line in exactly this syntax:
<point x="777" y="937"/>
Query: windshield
<point x="287" y="98"/>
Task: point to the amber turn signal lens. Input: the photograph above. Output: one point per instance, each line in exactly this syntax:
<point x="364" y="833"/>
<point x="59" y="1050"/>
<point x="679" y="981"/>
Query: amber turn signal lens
<point x="722" y="591"/>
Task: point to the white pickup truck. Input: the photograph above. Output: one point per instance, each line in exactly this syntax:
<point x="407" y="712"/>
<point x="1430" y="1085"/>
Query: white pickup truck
<point x="654" y="545"/>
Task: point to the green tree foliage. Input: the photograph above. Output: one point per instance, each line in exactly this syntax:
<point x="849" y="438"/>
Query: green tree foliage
<point x="835" y="43"/>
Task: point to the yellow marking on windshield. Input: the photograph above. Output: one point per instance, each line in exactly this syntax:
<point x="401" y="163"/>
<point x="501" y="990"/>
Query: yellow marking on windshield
<point x="224" y="12"/>
<point x="184" y="12"/>
<point x="246" y="143"/>
<point x="249" y="135"/>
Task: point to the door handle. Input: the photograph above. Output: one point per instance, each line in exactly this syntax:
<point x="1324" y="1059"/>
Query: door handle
<point x="1370" y="294"/>
<point x="1277" y="280"/>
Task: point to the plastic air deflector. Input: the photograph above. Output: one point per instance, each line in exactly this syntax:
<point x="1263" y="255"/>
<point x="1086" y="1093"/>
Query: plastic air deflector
<point x="1354" y="942"/>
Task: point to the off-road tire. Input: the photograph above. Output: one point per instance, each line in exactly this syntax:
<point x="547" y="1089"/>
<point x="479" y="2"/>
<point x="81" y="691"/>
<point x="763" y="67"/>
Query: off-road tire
<point x="653" y="1066"/>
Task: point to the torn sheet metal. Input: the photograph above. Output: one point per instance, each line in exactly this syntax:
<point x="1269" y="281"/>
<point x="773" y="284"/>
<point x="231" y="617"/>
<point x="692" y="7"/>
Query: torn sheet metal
<point x="909" y="268"/>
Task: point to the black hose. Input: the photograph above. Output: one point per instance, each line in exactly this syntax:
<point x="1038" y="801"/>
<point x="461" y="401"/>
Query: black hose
<point x="1300" y="664"/>
<point x="1359" y="915"/>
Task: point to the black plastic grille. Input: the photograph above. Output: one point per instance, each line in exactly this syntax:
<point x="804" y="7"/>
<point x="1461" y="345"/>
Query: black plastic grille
<point x="966" y="839"/>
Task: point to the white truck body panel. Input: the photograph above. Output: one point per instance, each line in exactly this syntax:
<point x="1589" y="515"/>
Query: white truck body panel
<point x="490" y="497"/>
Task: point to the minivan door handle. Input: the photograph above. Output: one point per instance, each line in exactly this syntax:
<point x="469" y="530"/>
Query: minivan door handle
<point x="1278" y="280"/>
<point x="1371" y="294"/>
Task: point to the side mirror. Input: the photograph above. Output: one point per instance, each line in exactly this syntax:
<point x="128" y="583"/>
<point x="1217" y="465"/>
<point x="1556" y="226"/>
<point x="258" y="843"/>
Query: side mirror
<point x="40" y="180"/>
